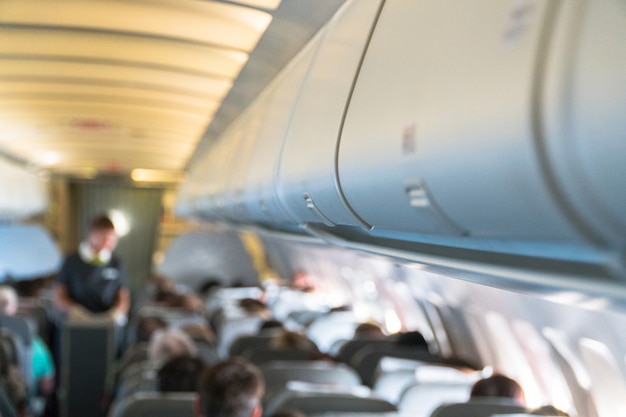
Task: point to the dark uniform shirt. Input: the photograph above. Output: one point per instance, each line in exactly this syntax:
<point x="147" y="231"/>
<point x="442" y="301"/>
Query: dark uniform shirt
<point x="95" y="287"/>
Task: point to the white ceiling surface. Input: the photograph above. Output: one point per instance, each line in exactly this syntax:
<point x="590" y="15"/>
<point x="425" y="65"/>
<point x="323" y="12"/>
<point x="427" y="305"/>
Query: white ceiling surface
<point x="108" y="86"/>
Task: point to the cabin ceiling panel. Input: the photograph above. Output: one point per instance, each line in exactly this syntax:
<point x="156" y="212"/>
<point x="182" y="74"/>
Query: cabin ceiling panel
<point x="114" y="85"/>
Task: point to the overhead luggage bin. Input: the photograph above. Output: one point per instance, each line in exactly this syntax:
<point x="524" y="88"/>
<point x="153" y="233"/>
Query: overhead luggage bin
<point x="439" y="137"/>
<point x="22" y="193"/>
<point x="28" y="252"/>
<point x="280" y="98"/>
<point x="307" y="171"/>
<point x="584" y="111"/>
<point x="244" y="142"/>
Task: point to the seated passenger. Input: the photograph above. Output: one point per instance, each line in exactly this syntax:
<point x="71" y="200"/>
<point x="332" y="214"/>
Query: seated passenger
<point x="190" y="303"/>
<point x="180" y="374"/>
<point x="254" y="307"/>
<point x="42" y="366"/>
<point x="13" y="389"/>
<point x="291" y="340"/>
<point x="368" y="331"/>
<point x="167" y="344"/>
<point x="232" y="388"/>
<point x="146" y="326"/>
<point x="413" y="338"/>
<point x="498" y="386"/>
<point x="549" y="410"/>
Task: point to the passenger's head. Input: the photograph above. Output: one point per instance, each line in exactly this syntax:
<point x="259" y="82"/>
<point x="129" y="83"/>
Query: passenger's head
<point x="498" y="386"/>
<point x="187" y="302"/>
<point x="101" y="235"/>
<point x="252" y="306"/>
<point x="147" y="325"/>
<point x="232" y="388"/>
<point x="180" y="374"/>
<point x="291" y="340"/>
<point x="368" y="331"/>
<point x="549" y="410"/>
<point x="8" y="300"/>
<point x="199" y="332"/>
<point x="271" y="324"/>
<point x="413" y="338"/>
<point x="170" y="343"/>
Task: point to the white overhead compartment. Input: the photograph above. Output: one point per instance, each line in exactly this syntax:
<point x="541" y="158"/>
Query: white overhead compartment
<point x="585" y="116"/>
<point x="279" y="101"/>
<point x="27" y="252"/>
<point x="307" y="175"/>
<point x="439" y="137"/>
<point x="244" y="142"/>
<point x="22" y="192"/>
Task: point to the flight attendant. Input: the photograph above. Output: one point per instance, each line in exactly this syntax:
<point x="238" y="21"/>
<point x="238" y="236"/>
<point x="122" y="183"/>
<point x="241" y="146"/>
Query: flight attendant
<point x="92" y="280"/>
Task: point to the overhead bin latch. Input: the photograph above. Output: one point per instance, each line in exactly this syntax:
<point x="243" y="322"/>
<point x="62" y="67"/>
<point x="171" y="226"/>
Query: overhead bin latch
<point x="421" y="200"/>
<point x="310" y="204"/>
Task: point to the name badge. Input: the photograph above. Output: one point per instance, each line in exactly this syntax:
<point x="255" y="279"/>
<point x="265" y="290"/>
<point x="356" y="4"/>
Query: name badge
<point x="110" y="273"/>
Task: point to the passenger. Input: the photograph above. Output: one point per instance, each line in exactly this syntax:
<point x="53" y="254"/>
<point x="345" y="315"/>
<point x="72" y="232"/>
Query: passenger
<point x="232" y="388"/>
<point x="271" y="324"/>
<point x="301" y="282"/>
<point x="549" y="410"/>
<point x="210" y="285"/>
<point x="92" y="280"/>
<point x="254" y="307"/>
<point x="199" y="333"/>
<point x="42" y="366"/>
<point x="167" y="344"/>
<point x="368" y="331"/>
<point x="190" y="303"/>
<point x="13" y="390"/>
<point x="180" y="374"/>
<point x="413" y="338"/>
<point x="147" y="325"/>
<point x="498" y="386"/>
<point x="291" y="340"/>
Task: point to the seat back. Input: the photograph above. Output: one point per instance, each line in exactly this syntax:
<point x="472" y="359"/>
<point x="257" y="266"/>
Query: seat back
<point x="325" y="330"/>
<point x="391" y="385"/>
<point x="482" y="408"/>
<point x="327" y="400"/>
<point x="421" y="399"/>
<point x="175" y="404"/>
<point x="243" y="343"/>
<point x="367" y="359"/>
<point x="352" y="347"/>
<point x="278" y="373"/>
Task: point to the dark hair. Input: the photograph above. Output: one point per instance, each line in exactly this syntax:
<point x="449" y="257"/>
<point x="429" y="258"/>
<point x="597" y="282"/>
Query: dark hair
<point x="101" y="222"/>
<point x="271" y="324"/>
<point x="413" y="338"/>
<point x="232" y="388"/>
<point x="549" y="410"/>
<point x="498" y="386"/>
<point x="147" y="325"/>
<point x="252" y="305"/>
<point x="180" y="374"/>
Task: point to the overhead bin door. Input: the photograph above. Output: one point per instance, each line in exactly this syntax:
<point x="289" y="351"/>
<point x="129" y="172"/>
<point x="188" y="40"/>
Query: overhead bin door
<point x="439" y="137"/>
<point x="212" y="203"/>
<point x="307" y="180"/>
<point x="585" y="114"/>
<point x="243" y="141"/>
<point x="280" y="97"/>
